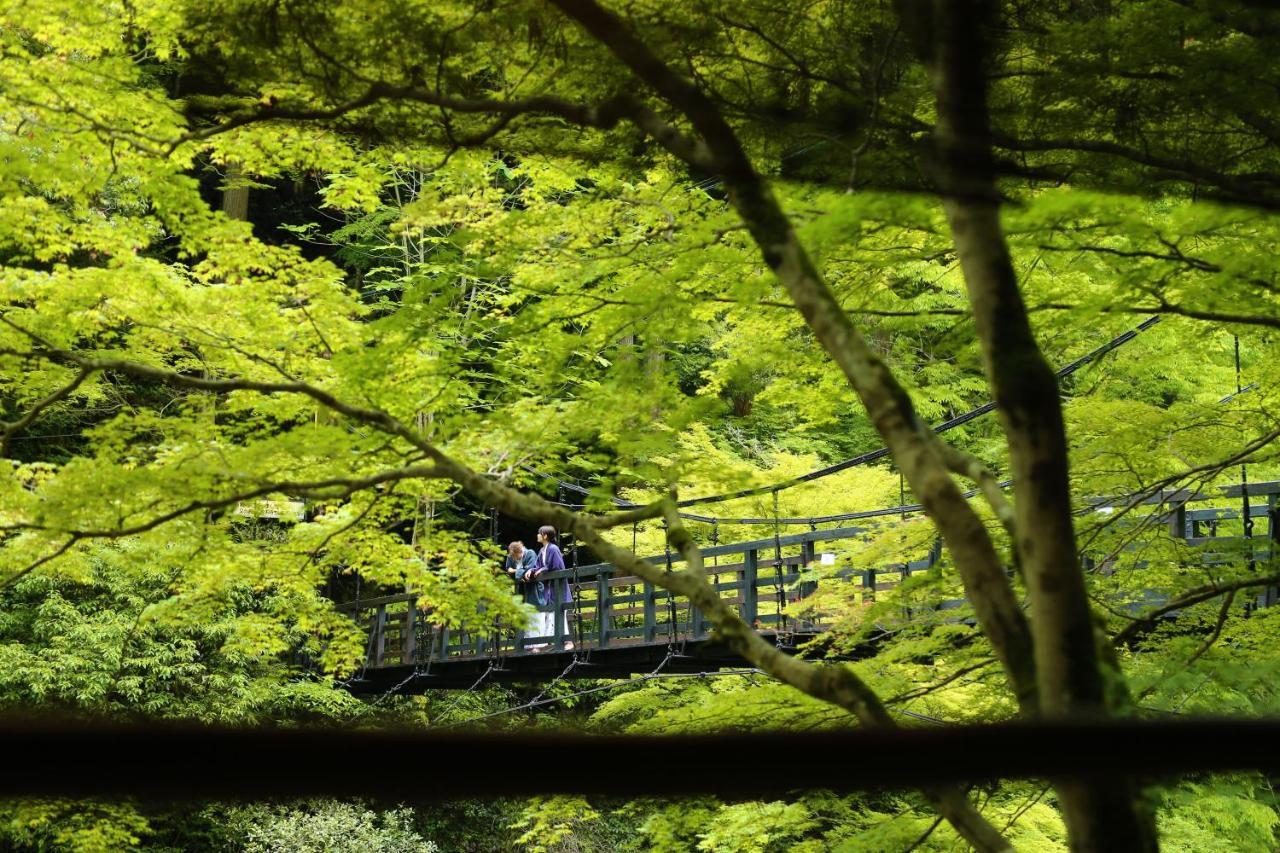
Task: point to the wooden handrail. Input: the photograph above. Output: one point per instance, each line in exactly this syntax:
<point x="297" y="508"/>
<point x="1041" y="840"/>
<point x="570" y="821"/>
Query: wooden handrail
<point x="607" y="610"/>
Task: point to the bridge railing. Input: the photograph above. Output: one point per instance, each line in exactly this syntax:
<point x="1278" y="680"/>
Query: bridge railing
<point x="759" y="579"/>
<point x="606" y="610"/>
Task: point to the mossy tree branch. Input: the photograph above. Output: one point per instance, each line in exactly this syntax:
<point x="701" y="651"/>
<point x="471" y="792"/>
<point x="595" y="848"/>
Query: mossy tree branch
<point x="887" y="403"/>
<point x="836" y="684"/>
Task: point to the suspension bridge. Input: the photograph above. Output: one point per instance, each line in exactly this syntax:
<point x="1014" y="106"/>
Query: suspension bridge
<point x="615" y="626"/>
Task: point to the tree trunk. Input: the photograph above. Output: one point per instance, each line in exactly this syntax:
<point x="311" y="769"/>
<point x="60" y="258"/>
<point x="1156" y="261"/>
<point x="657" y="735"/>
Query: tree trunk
<point x="1070" y="678"/>
<point x="235" y="197"/>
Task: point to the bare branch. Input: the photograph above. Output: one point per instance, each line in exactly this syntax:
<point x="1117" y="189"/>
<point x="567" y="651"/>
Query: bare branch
<point x="604" y="116"/>
<point x="679" y="538"/>
<point x="332" y="487"/>
<point x="1223" y="612"/>
<point x="938" y="685"/>
<point x="971" y="467"/>
<point x="617" y="519"/>
<point x="12" y="428"/>
<point x="1191" y="597"/>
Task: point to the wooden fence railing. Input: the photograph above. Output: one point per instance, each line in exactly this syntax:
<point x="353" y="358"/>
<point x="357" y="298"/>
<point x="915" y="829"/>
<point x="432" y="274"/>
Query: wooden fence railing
<point x="759" y="578"/>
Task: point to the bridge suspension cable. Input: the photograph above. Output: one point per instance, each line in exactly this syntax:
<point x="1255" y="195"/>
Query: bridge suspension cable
<point x="844" y="465"/>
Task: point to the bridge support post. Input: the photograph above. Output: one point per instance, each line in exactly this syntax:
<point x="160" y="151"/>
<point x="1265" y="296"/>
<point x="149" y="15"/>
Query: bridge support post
<point x="380" y="634"/>
<point x="750" y="592"/>
<point x="559" y="614"/>
<point x="602" y="609"/>
<point x="807" y="556"/>
<point x="650" y="614"/>
<point x="1272" y="594"/>
<point x="410" y="635"/>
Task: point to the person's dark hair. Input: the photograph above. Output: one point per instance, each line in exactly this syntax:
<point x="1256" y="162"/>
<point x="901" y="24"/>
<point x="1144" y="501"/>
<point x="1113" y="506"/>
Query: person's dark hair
<point x="548" y="531"/>
<point x="515" y="546"/>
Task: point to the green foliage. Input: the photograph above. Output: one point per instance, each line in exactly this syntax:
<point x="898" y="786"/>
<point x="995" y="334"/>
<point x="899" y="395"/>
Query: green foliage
<point x="471" y="826"/>
<point x="546" y="823"/>
<point x="581" y="303"/>
<point x="1222" y="813"/>
<point x="821" y="821"/>
<point x="81" y="827"/>
<point x="323" y="826"/>
<point x="98" y="645"/>
<point x="102" y="644"/>
<point x="755" y="826"/>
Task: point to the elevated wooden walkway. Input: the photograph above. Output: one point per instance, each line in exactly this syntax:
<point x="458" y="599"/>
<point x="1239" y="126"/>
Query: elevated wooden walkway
<point x="618" y="626"/>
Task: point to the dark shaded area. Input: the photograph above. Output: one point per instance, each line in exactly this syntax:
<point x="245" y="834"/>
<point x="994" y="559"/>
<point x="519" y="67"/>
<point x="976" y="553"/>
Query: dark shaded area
<point x="170" y="763"/>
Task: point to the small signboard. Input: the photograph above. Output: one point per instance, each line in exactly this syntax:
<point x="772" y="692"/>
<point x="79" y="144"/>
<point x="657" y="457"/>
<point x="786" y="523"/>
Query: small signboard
<point x="828" y="559"/>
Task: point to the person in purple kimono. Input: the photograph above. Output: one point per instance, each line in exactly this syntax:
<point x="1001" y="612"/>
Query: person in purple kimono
<point x="551" y="560"/>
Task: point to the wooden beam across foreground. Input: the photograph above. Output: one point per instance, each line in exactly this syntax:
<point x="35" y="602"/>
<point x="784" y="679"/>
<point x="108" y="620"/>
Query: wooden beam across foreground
<point x="166" y="762"/>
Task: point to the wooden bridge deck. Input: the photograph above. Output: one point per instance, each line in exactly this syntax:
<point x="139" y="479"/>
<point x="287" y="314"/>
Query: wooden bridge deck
<point x="621" y="626"/>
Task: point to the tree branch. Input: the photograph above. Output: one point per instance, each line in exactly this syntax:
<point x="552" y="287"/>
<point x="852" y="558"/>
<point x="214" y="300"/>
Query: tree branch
<point x="972" y="468"/>
<point x="679" y="538"/>
<point x="1223" y="612"/>
<point x="12" y="428"/>
<point x="333" y="487"/>
<point x="1164" y="307"/>
<point x="1208" y="470"/>
<point x="938" y="685"/>
<point x="884" y="398"/>
<point x="371" y="416"/>
<point x="1251" y="189"/>
<point x="630" y="516"/>
<point x="344" y="487"/>
<point x="603" y="116"/>
<point x="835" y="684"/>
<point x="886" y="401"/>
<point x="1191" y="597"/>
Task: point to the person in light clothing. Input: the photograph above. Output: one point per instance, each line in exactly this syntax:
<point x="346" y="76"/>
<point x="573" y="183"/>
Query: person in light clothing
<point x="520" y="564"/>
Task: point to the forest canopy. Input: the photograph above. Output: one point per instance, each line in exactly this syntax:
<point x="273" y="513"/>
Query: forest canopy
<point x="298" y="298"/>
